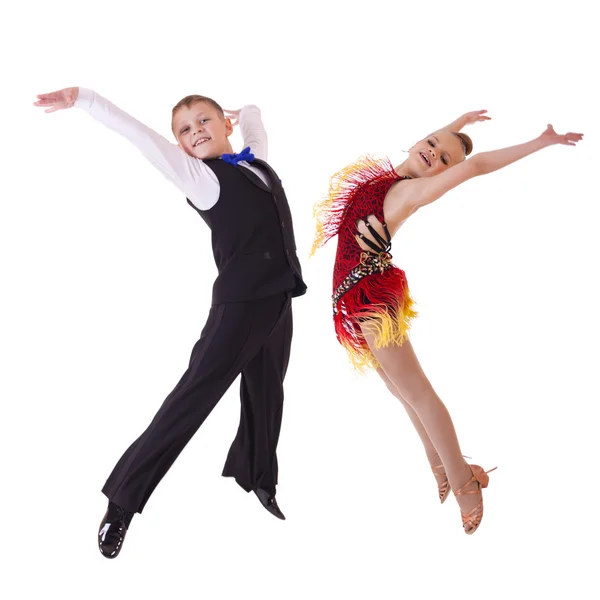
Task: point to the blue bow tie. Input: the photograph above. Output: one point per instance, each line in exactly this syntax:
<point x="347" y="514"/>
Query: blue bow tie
<point x="234" y="159"/>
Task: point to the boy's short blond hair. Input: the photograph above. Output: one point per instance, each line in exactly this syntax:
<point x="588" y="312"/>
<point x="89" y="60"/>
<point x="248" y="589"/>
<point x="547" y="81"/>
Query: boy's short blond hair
<point x="190" y="100"/>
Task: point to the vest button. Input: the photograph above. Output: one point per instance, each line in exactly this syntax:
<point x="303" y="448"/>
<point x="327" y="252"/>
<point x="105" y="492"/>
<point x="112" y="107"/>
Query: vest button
<point x="282" y="225"/>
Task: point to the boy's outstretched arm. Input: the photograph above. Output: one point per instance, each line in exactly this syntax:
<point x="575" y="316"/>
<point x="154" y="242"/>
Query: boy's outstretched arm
<point x="188" y="173"/>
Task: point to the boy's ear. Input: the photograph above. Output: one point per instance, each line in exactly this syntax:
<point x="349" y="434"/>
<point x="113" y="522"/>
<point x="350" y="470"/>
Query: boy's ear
<point x="228" y="126"/>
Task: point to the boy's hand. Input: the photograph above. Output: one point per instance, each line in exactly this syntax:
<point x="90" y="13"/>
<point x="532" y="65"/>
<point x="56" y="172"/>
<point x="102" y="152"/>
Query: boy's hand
<point x="58" y="100"/>
<point x="234" y="115"/>
<point x="550" y="137"/>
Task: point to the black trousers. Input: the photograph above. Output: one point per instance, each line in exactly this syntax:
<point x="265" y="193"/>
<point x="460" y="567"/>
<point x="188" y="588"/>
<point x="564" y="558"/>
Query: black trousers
<point x="251" y="338"/>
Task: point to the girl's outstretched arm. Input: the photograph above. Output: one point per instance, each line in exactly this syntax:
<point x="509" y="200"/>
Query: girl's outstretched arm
<point x="189" y="174"/>
<point x="469" y="118"/>
<point x="415" y="193"/>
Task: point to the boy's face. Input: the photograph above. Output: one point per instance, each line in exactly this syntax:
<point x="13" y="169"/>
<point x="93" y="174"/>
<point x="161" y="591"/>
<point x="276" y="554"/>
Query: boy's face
<point x="202" y="131"/>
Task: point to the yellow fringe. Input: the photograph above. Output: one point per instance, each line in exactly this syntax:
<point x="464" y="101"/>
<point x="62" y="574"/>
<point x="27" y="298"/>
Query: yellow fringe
<point x="389" y="328"/>
<point x="329" y="211"/>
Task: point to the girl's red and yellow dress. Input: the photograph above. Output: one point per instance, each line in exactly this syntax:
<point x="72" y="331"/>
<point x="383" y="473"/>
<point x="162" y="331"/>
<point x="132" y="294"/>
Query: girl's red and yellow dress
<point x="369" y="292"/>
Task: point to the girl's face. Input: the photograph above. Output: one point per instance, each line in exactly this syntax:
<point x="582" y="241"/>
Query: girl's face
<point x="435" y="154"/>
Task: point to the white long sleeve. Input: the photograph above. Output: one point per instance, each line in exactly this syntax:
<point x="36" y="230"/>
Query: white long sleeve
<point x="253" y="131"/>
<point x="193" y="178"/>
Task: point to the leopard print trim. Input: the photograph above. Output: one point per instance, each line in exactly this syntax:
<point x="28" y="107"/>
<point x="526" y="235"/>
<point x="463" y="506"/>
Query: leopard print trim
<point x="370" y="263"/>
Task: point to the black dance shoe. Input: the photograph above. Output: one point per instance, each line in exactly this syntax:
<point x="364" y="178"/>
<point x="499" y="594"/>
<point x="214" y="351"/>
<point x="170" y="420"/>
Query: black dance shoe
<point x="113" y="529"/>
<point x="269" y="502"/>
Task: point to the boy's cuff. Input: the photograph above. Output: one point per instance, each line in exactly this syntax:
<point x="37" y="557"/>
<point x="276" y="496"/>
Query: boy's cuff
<point x="85" y="98"/>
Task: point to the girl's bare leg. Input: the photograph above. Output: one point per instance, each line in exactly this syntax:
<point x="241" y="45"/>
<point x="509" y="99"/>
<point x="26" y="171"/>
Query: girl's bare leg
<point x="432" y="454"/>
<point x="401" y="366"/>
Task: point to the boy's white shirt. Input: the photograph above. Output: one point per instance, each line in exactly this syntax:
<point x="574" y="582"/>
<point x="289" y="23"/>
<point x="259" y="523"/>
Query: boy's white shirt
<point x="197" y="181"/>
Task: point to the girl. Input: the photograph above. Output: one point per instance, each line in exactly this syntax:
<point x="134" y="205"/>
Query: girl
<point x="372" y="307"/>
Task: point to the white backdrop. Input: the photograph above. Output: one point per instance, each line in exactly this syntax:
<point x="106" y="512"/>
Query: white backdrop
<point x="106" y="279"/>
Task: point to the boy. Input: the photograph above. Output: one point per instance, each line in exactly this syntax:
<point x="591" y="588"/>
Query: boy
<point x="249" y="326"/>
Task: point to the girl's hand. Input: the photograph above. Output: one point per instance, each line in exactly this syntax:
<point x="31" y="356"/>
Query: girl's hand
<point x="234" y="115"/>
<point x="550" y="137"/>
<point x="58" y="100"/>
<point x="475" y="116"/>
<point x="467" y="119"/>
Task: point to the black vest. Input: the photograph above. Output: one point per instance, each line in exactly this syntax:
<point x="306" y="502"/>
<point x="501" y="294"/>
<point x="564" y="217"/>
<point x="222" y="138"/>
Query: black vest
<point x="252" y="236"/>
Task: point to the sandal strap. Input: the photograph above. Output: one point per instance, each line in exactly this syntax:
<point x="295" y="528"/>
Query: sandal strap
<point x="473" y="518"/>
<point x="461" y="491"/>
<point x="441" y="466"/>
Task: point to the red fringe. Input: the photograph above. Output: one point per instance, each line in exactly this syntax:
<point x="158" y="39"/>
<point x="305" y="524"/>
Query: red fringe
<point x="383" y="300"/>
<point x="343" y="187"/>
